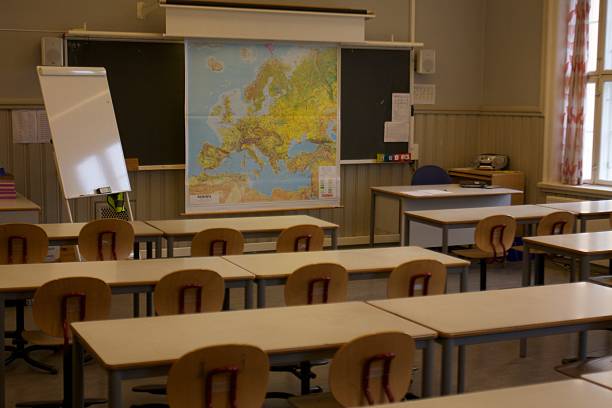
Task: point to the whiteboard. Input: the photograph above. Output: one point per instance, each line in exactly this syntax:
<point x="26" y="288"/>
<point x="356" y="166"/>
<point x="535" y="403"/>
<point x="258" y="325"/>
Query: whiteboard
<point x="84" y="130"/>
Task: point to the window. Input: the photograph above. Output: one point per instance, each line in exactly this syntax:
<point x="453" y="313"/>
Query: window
<point x="597" y="158"/>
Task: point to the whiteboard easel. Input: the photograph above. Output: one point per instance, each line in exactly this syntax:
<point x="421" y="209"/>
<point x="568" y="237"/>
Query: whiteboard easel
<point x="88" y="153"/>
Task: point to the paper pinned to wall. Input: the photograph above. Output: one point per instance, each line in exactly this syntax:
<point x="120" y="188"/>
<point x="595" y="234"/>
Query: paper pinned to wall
<point x="402" y="107"/>
<point x="397" y="132"/>
<point x="30" y="126"/>
<point x="328" y="182"/>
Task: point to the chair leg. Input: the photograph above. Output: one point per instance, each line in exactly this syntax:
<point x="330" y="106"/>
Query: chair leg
<point x="483" y="274"/>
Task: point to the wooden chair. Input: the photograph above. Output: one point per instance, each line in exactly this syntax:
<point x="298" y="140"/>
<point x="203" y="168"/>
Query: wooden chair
<point x="301" y="238"/>
<point x="23" y="244"/>
<point x="57" y="304"/>
<point x="557" y="223"/>
<point x="493" y="238"/>
<point x="181" y="292"/>
<point x="373" y="369"/>
<point x="219" y="376"/>
<point x="308" y="285"/>
<point x="424" y="277"/>
<point x="106" y="240"/>
<point x="217" y="242"/>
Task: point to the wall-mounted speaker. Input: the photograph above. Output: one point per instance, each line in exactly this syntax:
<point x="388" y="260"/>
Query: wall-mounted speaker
<point x="426" y="62"/>
<point x="52" y="51"/>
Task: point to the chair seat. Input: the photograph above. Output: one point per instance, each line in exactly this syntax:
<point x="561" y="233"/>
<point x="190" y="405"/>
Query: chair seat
<point x="323" y="400"/>
<point x="590" y="366"/>
<point x="473" y="253"/>
<point x="521" y="248"/>
<point x="39" y="338"/>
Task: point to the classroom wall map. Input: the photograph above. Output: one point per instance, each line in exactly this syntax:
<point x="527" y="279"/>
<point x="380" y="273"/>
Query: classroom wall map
<point x="262" y="126"/>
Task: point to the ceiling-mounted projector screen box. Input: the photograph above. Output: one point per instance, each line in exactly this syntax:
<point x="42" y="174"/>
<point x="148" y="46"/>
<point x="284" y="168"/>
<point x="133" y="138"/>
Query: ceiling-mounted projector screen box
<point x="197" y="19"/>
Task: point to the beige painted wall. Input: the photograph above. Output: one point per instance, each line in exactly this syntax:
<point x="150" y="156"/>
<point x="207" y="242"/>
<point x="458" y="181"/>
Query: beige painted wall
<point x="512" y="53"/>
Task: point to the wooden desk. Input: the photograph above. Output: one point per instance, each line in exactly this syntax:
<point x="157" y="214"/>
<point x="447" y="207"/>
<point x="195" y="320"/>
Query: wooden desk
<point x="138" y="348"/>
<point x="68" y="234"/>
<point x="371" y="263"/>
<point x="561" y="394"/>
<point x="503" y="178"/>
<point x="413" y="198"/>
<point x="462" y="218"/>
<point x="185" y="230"/>
<point x="584" y="247"/>
<point x="602" y="379"/>
<point x="21" y="281"/>
<point x="500" y="315"/>
<point x="19" y="210"/>
<point x="585" y="210"/>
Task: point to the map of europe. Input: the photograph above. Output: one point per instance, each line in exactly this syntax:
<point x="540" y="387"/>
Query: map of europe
<point x="262" y="124"/>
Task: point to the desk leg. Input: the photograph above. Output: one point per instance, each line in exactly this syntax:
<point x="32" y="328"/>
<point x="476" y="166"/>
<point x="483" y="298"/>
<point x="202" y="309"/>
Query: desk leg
<point x="583" y="225"/>
<point x="248" y="294"/>
<point x="445" y="239"/>
<point x="2" y="368"/>
<point x="136" y="250"/>
<point x="447" y="366"/>
<point x="372" y="217"/>
<point x="585" y="268"/>
<point x="149" y="295"/>
<point x="461" y="370"/>
<point x="526" y="266"/>
<point x="170" y="249"/>
<point x="406" y="238"/>
<point x="149" y="249"/>
<point x="429" y="360"/>
<point x="583" y="341"/>
<point x="334" y="238"/>
<point x="136" y="304"/>
<point x="226" y="299"/>
<point x="115" y="398"/>
<point x="261" y="294"/>
<point x="78" y="379"/>
<point x="463" y="280"/>
<point x="158" y="248"/>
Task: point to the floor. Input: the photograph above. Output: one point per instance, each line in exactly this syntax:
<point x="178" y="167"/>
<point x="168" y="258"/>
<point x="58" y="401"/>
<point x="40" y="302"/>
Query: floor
<point x="489" y="366"/>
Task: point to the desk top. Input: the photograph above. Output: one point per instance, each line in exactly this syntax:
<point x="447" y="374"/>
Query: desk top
<point x="602" y="207"/>
<point x="19" y="204"/>
<point x="25" y="278"/>
<point x="189" y="227"/>
<point x="586" y="243"/>
<point x="354" y="260"/>
<point x="562" y="394"/>
<point x="502" y="311"/>
<point x="160" y="341"/>
<point x="441" y="191"/>
<point x="473" y="215"/>
<point x="603" y="379"/>
<point x="68" y="231"/>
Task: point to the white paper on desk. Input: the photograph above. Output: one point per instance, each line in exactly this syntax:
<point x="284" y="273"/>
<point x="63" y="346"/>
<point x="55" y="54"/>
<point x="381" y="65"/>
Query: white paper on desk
<point x="402" y="107"/>
<point x="427" y="193"/>
<point x="397" y="132"/>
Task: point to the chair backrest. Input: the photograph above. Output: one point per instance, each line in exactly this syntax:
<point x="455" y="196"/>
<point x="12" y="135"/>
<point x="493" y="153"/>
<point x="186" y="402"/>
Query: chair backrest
<point x="317" y="283"/>
<point x="217" y="242"/>
<point x="428" y="175"/>
<point x="424" y="277"/>
<point x="561" y="222"/>
<point x="189" y="291"/>
<point x="63" y="301"/>
<point x="495" y="235"/>
<point x="373" y="369"/>
<point x="106" y="240"/>
<point x="219" y="376"/>
<point x="300" y="238"/>
<point x="22" y="243"/>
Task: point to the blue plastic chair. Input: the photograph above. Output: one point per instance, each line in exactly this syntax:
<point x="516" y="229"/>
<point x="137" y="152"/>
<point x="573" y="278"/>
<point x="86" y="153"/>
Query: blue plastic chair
<point x="428" y="175"/>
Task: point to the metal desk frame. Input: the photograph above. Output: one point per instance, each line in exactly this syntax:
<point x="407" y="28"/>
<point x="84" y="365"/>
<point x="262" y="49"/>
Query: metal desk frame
<point x="115" y="377"/>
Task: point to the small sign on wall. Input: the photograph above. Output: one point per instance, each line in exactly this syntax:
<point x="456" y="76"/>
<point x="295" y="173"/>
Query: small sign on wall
<point x="30" y="126"/>
<point x="424" y="94"/>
